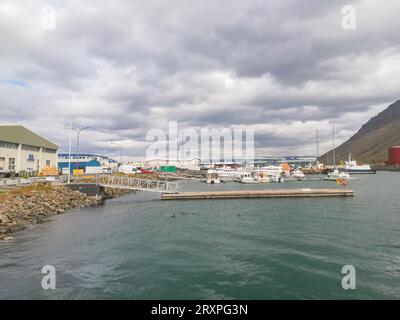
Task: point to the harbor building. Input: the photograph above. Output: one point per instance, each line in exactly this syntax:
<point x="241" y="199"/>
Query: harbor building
<point x="25" y="152"/>
<point x="89" y="163"/>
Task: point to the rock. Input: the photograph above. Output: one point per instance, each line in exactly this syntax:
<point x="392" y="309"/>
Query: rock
<point x="4" y="218"/>
<point x="8" y="238"/>
<point x="3" y="230"/>
<point x="35" y="205"/>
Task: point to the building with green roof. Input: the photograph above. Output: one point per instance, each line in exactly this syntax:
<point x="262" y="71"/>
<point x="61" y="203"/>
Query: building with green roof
<point x="23" y="151"/>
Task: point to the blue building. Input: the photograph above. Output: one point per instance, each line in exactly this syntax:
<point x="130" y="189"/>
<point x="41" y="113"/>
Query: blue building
<point x="90" y="163"/>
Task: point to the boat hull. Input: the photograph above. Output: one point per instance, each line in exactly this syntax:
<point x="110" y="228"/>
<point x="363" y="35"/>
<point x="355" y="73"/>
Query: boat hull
<point x="352" y="171"/>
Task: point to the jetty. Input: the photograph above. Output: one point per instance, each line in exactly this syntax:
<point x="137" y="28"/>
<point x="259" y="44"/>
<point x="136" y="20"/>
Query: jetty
<point x="270" y="193"/>
<point x="131" y="183"/>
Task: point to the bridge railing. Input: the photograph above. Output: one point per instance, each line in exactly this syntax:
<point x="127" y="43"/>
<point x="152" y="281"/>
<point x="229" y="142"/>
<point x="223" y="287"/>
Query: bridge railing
<point x="132" y="183"/>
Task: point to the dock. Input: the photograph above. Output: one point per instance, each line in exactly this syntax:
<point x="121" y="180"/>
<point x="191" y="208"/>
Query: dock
<point x="271" y="193"/>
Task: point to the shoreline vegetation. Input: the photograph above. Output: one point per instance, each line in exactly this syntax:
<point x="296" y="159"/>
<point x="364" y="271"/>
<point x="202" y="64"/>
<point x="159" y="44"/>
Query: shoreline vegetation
<point x="25" y="206"/>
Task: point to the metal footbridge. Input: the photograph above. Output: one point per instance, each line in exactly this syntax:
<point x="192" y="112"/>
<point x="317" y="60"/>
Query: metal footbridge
<point x="130" y="183"/>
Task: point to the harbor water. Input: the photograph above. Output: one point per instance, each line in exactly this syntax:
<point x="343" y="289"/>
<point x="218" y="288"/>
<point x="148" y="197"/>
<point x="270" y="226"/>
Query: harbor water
<point x="138" y="247"/>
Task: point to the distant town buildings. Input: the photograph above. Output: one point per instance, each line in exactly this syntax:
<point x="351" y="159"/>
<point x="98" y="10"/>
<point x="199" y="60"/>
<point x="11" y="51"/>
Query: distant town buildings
<point x="25" y="152"/>
<point x="188" y="164"/>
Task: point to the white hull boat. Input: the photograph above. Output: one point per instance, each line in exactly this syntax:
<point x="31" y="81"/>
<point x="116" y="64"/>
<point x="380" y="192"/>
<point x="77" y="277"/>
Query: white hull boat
<point x="337" y="175"/>
<point x="213" y="179"/>
<point x="262" y="178"/>
<point x="352" y="167"/>
<point x="298" y="175"/>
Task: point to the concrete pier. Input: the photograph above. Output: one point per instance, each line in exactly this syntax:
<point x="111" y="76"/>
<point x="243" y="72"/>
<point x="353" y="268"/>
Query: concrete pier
<point x="90" y="189"/>
<point x="271" y="193"/>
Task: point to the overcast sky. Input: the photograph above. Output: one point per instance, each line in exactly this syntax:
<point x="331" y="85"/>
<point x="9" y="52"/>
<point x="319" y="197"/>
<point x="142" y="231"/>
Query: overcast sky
<point x="284" y="68"/>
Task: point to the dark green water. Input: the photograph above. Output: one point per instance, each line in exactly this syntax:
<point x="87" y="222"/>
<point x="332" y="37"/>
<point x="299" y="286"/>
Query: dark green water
<point x="138" y="247"/>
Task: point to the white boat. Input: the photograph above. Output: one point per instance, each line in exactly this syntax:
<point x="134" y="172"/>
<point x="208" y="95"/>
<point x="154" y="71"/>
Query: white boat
<point x="270" y="170"/>
<point x="213" y="179"/>
<point x="262" y="177"/>
<point x="351" y="166"/>
<point x="337" y="175"/>
<point x="248" y="178"/>
<point x="276" y="178"/>
<point x="274" y="173"/>
<point x="225" y="172"/>
<point x="298" y="174"/>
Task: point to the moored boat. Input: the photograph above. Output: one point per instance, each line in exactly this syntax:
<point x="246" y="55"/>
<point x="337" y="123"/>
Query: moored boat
<point x="213" y="179"/>
<point x="248" y="178"/>
<point x="352" y="167"/>
<point x="337" y="175"/>
<point x="262" y="177"/>
<point x="298" y="174"/>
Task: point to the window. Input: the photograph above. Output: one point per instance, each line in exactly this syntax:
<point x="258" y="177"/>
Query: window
<point x="2" y="163"/>
<point x="30" y="148"/>
<point x="11" y="164"/>
<point x="47" y="150"/>
<point x="38" y="164"/>
<point x="48" y="163"/>
<point x="8" y="145"/>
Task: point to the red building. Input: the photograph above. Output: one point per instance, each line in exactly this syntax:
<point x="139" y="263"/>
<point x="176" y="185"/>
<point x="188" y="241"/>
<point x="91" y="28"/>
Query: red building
<point x="394" y="156"/>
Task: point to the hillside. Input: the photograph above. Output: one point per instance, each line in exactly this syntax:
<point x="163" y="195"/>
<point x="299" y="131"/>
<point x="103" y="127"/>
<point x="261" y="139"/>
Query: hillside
<point x="371" y="142"/>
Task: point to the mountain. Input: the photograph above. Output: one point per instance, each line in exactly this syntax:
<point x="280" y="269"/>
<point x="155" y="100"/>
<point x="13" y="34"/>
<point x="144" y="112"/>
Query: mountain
<point x="370" y="144"/>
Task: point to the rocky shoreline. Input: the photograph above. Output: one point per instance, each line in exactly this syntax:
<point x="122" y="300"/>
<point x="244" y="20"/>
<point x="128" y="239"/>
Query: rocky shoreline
<point x="26" y="206"/>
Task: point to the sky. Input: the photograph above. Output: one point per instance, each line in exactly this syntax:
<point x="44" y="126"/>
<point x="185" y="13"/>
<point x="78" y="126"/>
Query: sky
<point x="281" y="68"/>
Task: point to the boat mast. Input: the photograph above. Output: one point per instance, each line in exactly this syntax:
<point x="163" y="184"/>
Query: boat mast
<point x="317" y="142"/>
<point x="333" y="145"/>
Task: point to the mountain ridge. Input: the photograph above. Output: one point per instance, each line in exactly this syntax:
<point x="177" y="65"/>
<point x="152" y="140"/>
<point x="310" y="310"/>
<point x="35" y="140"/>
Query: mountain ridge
<point x="371" y="142"/>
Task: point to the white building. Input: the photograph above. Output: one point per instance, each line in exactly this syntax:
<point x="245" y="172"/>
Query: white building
<point x="23" y="151"/>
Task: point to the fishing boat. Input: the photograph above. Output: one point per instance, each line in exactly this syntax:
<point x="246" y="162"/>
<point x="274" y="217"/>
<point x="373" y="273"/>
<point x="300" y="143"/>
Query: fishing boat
<point x="248" y="178"/>
<point x="225" y="172"/>
<point x="262" y="177"/>
<point x="298" y="174"/>
<point x="270" y="170"/>
<point x="213" y="179"/>
<point x="352" y="167"/>
<point x="337" y="175"/>
<point x="276" y="178"/>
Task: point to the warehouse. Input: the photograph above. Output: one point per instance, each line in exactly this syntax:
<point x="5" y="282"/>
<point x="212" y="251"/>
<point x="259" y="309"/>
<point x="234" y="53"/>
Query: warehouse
<point x="24" y="152"/>
<point x="89" y="163"/>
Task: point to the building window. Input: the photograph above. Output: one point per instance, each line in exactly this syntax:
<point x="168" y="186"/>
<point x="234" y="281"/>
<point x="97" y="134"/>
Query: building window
<point x="11" y="164"/>
<point x="47" y="150"/>
<point x="30" y="148"/>
<point x="38" y="164"/>
<point x="48" y="163"/>
<point x="8" y="145"/>
<point x="2" y="163"/>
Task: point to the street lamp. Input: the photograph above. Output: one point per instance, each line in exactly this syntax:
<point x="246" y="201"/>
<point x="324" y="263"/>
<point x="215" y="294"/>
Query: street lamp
<point x="78" y="132"/>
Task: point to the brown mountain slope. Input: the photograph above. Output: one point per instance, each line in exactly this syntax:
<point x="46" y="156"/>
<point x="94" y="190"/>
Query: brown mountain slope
<point x="371" y="142"/>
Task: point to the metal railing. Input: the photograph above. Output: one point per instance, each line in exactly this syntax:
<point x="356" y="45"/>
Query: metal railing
<point x="130" y="183"/>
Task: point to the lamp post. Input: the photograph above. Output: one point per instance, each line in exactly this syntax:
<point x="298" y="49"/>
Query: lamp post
<point x="78" y="132"/>
<point x="69" y="152"/>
